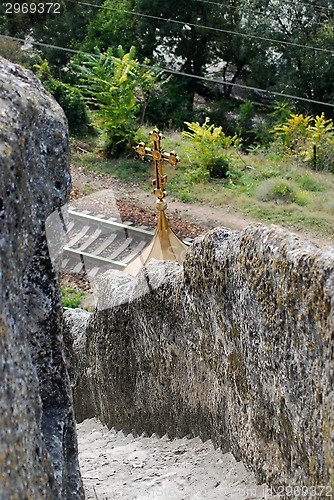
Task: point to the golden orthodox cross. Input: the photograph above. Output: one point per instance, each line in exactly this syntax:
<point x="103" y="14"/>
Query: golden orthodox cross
<point x="165" y="245"/>
<point x="159" y="156"/>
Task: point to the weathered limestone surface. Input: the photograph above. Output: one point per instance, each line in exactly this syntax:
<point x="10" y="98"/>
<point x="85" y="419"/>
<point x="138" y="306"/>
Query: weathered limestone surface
<point x="38" y="451"/>
<point x="237" y="347"/>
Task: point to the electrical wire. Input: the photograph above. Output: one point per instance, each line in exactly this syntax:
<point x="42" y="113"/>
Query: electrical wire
<point x="295" y="4"/>
<point x="219" y="30"/>
<point x="270" y="6"/>
<point x="315" y="6"/>
<point x="226" y="5"/>
<point x="178" y="73"/>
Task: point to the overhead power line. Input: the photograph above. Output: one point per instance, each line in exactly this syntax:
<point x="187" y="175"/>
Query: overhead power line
<point x="179" y="73"/>
<point x="293" y="2"/>
<point x="269" y="6"/>
<point x="219" y="30"/>
<point x="315" y="6"/>
<point x="226" y="5"/>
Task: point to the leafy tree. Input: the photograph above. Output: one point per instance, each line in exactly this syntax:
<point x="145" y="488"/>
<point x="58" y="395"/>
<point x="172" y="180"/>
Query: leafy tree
<point x="184" y="43"/>
<point x="175" y="34"/>
<point x="66" y="29"/>
<point x="290" y="66"/>
<point x="111" y="27"/>
<point x="117" y="90"/>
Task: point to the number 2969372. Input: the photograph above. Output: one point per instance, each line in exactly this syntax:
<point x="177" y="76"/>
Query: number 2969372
<point x="32" y="8"/>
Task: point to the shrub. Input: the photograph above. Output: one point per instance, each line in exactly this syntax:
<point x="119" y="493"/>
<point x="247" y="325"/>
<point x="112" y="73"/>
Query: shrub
<point x="68" y="97"/>
<point x="320" y="148"/>
<point x="283" y="191"/>
<point x="210" y="149"/>
<point x="294" y="132"/>
<point x="71" y="100"/>
<point x="302" y="198"/>
<point x="310" y="139"/>
<point x="308" y="183"/>
<point x="278" y="190"/>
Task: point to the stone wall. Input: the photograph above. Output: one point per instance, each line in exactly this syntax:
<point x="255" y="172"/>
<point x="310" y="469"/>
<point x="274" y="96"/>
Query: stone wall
<point x="236" y="347"/>
<point x="38" y="454"/>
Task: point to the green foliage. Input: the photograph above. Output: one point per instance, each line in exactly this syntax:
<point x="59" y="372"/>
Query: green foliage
<point x="308" y="138"/>
<point x="173" y="105"/>
<point x="263" y="185"/>
<point x="245" y="119"/>
<point x="69" y="98"/>
<point x="281" y="111"/>
<point x="292" y="69"/>
<point x="64" y="26"/>
<point x="282" y="190"/>
<point x="210" y="151"/>
<point x="263" y="133"/>
<point x="141" y="134"/>
<point x="131" y="169"/>
<point x="282" y="67"/>
<point x="71" y="298"/>
<point x="294" y="132"/>
<point x="191" y="47"/>
<point x="309" y="183"/>
<point x="117" y="90"/>
<point x="320" y="141"/>
<point x="111" y="27"/>
<point x="253" y="126"/>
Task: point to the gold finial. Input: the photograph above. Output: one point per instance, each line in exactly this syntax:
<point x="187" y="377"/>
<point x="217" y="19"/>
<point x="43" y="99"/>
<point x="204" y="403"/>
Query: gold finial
<point x="165" y="244"/>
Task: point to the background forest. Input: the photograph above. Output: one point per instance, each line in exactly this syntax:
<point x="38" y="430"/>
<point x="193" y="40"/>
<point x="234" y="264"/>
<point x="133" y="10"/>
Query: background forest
<point x="246" y="88"/>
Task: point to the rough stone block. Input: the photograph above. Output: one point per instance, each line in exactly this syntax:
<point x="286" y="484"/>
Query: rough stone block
<point x="38" y="451"/>
<point x="237" y="346"/>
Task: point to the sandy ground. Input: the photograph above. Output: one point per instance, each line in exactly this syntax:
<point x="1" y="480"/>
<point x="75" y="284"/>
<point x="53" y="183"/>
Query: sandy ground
<point x="118" y="466"/>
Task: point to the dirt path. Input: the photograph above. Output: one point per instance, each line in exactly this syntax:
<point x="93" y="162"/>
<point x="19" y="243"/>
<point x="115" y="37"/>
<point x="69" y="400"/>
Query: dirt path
<point x="138" y="205"/>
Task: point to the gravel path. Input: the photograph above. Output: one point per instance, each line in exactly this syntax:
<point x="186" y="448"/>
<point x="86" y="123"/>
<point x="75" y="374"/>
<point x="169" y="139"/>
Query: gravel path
<point x="118" y="466"/>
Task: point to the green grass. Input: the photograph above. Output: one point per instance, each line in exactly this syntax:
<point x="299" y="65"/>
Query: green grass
<point x="266" y="187"/>
<point x="71" y="298"/>
<point x="126" y="169"/>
